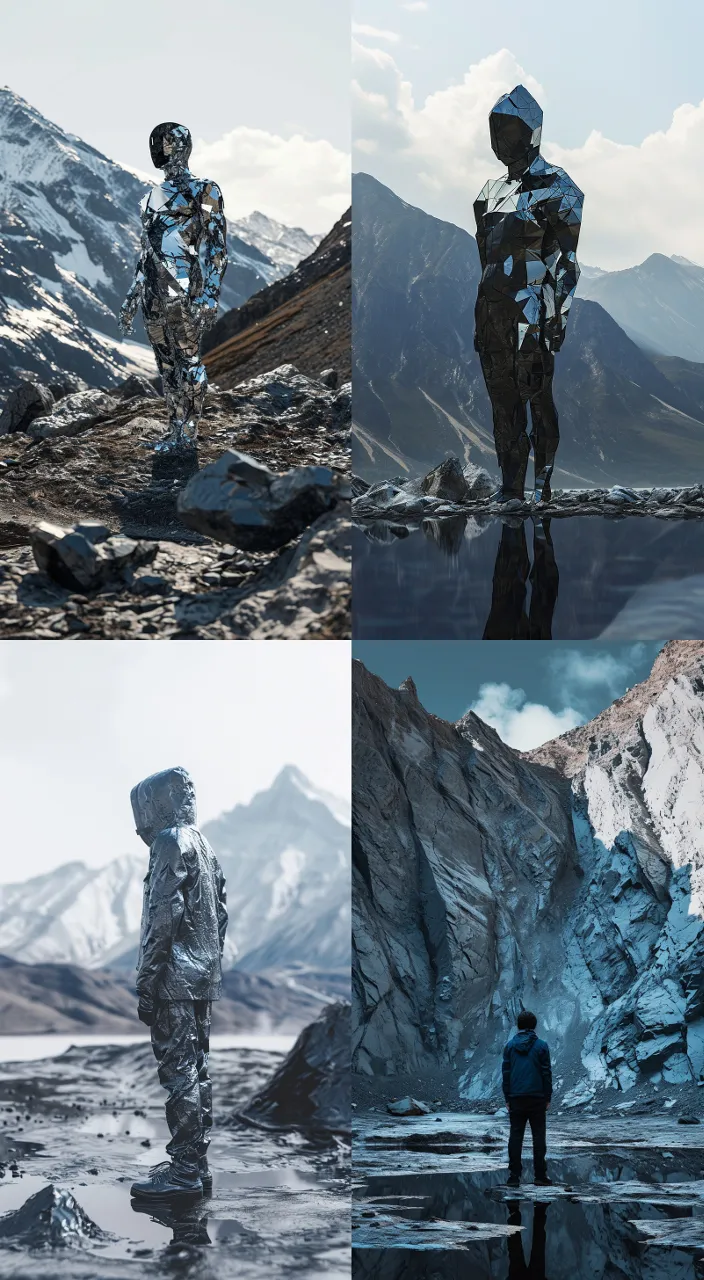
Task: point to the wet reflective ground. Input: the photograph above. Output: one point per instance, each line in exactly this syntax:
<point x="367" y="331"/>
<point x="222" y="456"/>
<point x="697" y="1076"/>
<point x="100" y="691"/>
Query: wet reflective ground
<point x="92" y="1120"/>
<point x="577" y="577"/>
<point x="430" y="1200"/>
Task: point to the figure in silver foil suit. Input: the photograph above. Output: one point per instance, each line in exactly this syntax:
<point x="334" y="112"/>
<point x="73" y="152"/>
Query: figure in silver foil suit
<point x="178" y="277"/>
<point x="184" y="919"/>
<point x="528" y="225"/>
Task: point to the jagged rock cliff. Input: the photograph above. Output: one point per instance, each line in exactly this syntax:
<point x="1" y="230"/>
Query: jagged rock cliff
<point x="568" y="880"/>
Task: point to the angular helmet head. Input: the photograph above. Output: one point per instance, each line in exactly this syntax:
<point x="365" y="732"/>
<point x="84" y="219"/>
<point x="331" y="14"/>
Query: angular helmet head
<point x="515" y="125"/>
<point x="170" y="143"/>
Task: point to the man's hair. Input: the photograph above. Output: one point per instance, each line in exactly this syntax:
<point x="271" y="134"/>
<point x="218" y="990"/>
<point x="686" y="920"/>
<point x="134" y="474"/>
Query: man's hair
<point x="526" y="1021"/>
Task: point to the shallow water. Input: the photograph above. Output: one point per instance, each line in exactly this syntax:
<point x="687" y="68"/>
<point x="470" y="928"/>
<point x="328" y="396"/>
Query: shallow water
<point x="33" y="1048"/>
<point x="430" y="1200"/>
<point x="579" y="577"/>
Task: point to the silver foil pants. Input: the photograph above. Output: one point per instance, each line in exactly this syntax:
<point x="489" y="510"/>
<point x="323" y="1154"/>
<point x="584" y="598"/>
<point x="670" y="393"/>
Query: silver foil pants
<point x="181" y="1043"/>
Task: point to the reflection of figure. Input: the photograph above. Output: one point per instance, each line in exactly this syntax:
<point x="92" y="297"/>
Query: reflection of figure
<point x="178" y="277"/>
<point x="518" y="1269"/>
<point x="527" y="1085"/>
<point x="189" y="1221"/>
<point x="184" y="920"/>
<point x="508" y="619"/>
<point x="527" y="230"/>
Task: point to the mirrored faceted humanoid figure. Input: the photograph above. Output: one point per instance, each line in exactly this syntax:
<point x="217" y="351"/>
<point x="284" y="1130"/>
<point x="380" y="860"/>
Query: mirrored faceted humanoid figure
<point x="528" y="225"/>
<point x="178" y="277"/>
<point x="179" y="973"/>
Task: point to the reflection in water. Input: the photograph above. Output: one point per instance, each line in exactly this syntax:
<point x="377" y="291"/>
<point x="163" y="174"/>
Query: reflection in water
<point x="187" y="1218"/>
<point x="508" y="618"/>
<point x="465" y="578"/>
<point x="518" y="1267"/>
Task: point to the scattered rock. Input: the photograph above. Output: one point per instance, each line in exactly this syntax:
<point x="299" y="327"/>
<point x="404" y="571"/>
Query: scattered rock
<point x="50" y="1218"/>
<point x="26" y="402"/>
<point x="86" y="556"/>
<point x="67" y="387"/>
<point x="136" y="386"/>
<point x="74" y="414"/>
<point x="408" y="1107"/>
<point x="446" y="481"/>
<point x="688" y="1120"/>
<point x="239" y="501"/>
<point x="329" y="378"/>
<point x="311" y="1088"/>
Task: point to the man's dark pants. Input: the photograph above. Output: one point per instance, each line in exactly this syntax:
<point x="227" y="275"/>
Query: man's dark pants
<point x="181" y="1043"/>
<point x="523" y="1111"/>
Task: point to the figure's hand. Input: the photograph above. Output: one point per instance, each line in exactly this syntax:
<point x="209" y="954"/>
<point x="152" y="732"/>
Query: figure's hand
<point x="204" y="312"/>
<point x="145" y="1012"/>
<point x="554" y="337"/>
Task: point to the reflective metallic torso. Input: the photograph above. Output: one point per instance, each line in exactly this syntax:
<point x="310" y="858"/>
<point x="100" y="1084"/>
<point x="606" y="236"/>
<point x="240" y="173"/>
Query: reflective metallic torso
<point x="183" y="237"/>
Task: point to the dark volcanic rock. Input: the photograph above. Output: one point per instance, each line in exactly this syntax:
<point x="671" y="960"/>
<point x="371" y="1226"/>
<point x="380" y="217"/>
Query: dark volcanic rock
<point x="238" y="501"/>
<point x="311" y="1088"/>
<point x="86" y="556"/>
<point x="136" y="386"/>
<point x="28" y="401"/>
<point x="51" y="1217"/>
<point x="446" y="481"/>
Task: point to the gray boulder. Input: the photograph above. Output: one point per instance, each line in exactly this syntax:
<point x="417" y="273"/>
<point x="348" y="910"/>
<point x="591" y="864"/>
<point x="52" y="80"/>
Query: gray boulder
<point x="136" y="386"/>
<point x="479" y="482"/>
<point x="238" y="501"/>
<point x="86" y="556"/>
<point x="25" y="403"/>
<point x="50" y="1218"/>
<point x="73" y="414"/>
<point x="68" y="386"/>
<point x="446" y="481"/>
<point x="311" y="1088"/>
<point x="408" y="1107"/>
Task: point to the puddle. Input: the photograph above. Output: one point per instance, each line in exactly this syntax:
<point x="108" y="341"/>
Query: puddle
<point x="576" y="578"/>
<point x="281" y="1177"/>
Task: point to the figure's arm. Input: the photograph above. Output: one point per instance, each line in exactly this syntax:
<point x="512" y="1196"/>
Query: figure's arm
<point x="481" y="205"/>
<point x="165" y="907"/>
<point x="213" y="252"/>
<point x="546" y="1072"/>
<point x="506" y="1073"/>
<point x="222" y="910"/>
<point x="560" y="251"/>
<point x="128" y="310"/>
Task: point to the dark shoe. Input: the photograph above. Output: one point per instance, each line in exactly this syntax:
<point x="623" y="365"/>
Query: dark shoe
<point x="505" y="495"/>
<point x="543" y="1182"/>
<point x="513" y="1180"/>
<point x="206" y="1176"/>
<point x="165" y="1182"/>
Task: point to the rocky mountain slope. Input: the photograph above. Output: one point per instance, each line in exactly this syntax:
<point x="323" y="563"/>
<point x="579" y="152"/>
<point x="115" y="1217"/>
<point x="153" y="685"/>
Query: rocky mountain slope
<point x="69" y="237"/>
<point x="419" y="392"/>
<point x="303" y="318"/>
<point x="659" y="304"/>
<point x="568" y="880"/>
<point x="285" y="856"/>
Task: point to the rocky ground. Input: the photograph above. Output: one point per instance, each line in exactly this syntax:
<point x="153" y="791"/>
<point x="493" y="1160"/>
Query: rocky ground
<point x="430" y="1199"/>
<point x="76" y="1130"/>
<point x="451" y="490"/>
<point x="85" y="460"/>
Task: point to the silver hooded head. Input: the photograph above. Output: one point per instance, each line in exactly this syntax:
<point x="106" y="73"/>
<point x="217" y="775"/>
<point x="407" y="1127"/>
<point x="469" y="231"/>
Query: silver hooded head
<point x="163" y="800"/>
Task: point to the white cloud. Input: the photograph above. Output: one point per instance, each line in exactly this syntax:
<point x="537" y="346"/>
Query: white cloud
<point x="300" y="181"/>
<point x="374" y="33"/>
<point x="638" y="199"/>
<point x="520" y="723"/>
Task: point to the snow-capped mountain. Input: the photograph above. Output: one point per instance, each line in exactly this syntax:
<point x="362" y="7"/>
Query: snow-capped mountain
<point x="69" y="237"/>
<point x="282" y="245"/>
<point x="286" y="860"/>
<point x="569" y="880"/>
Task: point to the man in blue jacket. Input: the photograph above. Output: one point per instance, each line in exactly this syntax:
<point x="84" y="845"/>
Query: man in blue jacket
<point x="527" y="1085"/>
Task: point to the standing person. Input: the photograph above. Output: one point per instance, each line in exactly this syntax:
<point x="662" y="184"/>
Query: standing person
<point x="527" y="1086"/>
<point x="184" y="920"/>
<point x="528" y="225"/>
<point x="178" y="277"/>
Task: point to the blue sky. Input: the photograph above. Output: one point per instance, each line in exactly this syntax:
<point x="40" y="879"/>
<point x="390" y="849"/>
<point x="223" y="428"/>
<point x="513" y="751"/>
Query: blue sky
<point x="528" y="691"/>
<point x="110" y="72"/>
<point x="614" y="79"/>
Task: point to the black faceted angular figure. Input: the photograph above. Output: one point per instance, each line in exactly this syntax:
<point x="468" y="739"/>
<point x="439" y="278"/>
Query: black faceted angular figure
<point x="184" y="920"/>
<point x="528" y="225"/>
<point x="178" y="277"/>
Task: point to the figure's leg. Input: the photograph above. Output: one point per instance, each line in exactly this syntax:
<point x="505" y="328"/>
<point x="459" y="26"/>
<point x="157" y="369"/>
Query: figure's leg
<point x="159" y="337"/>
<point x="507" y="618"/>
<point x="536" y="1269"/>
<point x="517" y="1118"/>
<point x="190" y="377"/>
<point x="537" y="1117"/>
<point x="545" y="583"/>
<point x="545" y="431"/>
<point x="496" y="343"/>
<point x="516" y="1257"/>
<point x="175" y="1045"/>
<point x="203" y="1013"/>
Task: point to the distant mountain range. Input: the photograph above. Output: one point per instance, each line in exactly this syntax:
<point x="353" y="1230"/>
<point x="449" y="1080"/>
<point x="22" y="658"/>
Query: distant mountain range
<point x="69" y="237"/>
<point x="626" y="416"/>
<point x="286" y="860"/>
<point x="659" y="304"/>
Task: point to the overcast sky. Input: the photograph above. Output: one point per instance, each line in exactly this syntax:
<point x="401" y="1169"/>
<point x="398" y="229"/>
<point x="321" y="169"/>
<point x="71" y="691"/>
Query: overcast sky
<point x="621" y="85"/>
<point x="528" y="692"/>
<point x="82" y="723"/>
<point x="264" y="89"/>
